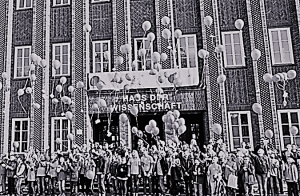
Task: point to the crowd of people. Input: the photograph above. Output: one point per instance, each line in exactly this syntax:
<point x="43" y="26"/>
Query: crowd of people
<point x="165" y="167"/>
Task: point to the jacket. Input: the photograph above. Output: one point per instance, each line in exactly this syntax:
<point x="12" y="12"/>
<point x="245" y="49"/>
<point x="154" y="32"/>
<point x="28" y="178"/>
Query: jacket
<point x="11" y="169"/>
<point x="261" y="164"/>
<point x="291" y="173"/>
<point x="186" y="164"/>
<point x="163" y="164"/>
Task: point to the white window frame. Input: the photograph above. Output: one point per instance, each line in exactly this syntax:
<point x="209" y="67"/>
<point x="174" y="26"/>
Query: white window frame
<point x="53" y="58"/>
<point x="232" y="48"/>
<point x="280" y="45"/>
<point x="102" y="56"/>
<point x="186" y="36"/>
<point x="14" y="120"/>
<point x="248" y="113"/>
<point x="290" y="124"/>
<point x="61" y="4"/>
<point x="53" y="141"/>
<point x="23" y="8"/>
<point x="98" y="1"/>
<point x="136" y="52"/>
<point x="16" y="57"/>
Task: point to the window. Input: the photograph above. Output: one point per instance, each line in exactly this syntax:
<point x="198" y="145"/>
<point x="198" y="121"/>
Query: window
<point x="24" y="4"/>
<point x="100" y="63"/>
<point x="20" y="134"/>
<point x="96" y="1"/>
<point x="144" y="63"/>
<point x="61" y="52"/>
<point x="281" y="46"/>
<point x="22" y="61"/>
<point x="240" y="129"/>
<point x="287" y="119"/>
<point x="234" y="49"/>
<point x="61" y="2"/>
<point x="60" y="129"/>
<point x="187" y="51"/>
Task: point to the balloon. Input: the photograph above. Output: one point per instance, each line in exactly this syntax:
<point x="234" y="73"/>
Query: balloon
<point x="220" y="48"/>
<point x="152" y="123"/>
<point x="153" y="72"/>
<point x="276" y="78"/>
<point x="155" y="57"/>
<point x="178" y="82"/>
<point x="79" y="84"/>
<point x="126" y="87"/>
<point x="155" y="131"/>
<point x="123" y="117"/>
<point x="257" y="108"/>
<point x="102" y="103"/>
<point x="58" y="141"/>
<point x="16" y="144"/>
<point x="87" y="28"/>
<point x="71" y="89"/>
<point x="134" y="110"/>
<point x="216" y="128"/>
<point x="20" y="92"/>
<point x="33" y="57"/>
<point x="284" y="76"/>
<point x="169" y="125"/>
<point x="69" y="115"/>
<point x="291" y="74"/>
<point x="33" y="77"/>
<point x="1" y="85"/>
<point x="157" y="66"/>
<point x="137" y="97"/>
<point x="70" y="136"/>
<point x="56" y="64"/>
<point x="150" y="37"/>
<point x="134" y="64"/>
<point x="159" y="90"/>
<point x="127" y="48"/>
<point x="181" y="121"/>
<point x="294" y="130"/>
<point x="239" y="24"/>
<point x="110" y="109"/>
<point x="169" y="131"/>
<point x="95" y="107"/>
<point x="175" y="125"/>
<point x="32" y="66"/>
<point x="221" y="78"/>
<point x="128" y="77"/>
<point x="171" y="119"/>
<point x="64" y="99"/>
<point x="176" y="114"/>
<point x="170" y="113"/>
<point x="177" y="33"/>
<point x="146" y="26"/>
<point x="4" y="75"/>
<point x="90" y="174"/>
<point x="181" y="129"/>
<point x="140" y="134"/>
<point x="119" y="60"/>
<point x="59" y="88"/>
<point x="107" y="55"/>
<point x="28" y="90"/>
<point x="281" y="76"/>
<point x="171" y="78"/>
<point x="100" y="86"/>
<point x="63" y="80"/>
<point x="165" y="20"/>
<point x="43" y="63"/>
<point x="203" y="53"/>
<point x="269" y="133"/>
<point x="161" y="79"/>
<point x="208" y="20"/>
<point x="142" y="52"/>
<point x="166" y="33"/>
<point x="164" y="118"/>
<point x="54" y="101"/>
<point x="36" y="106"/>
<point x="148" y="128"/>
<point x="163" y="57"/>
<point x="268" y="77"/>
<point x="134" y="130"/>
<point x="255" y="54"/>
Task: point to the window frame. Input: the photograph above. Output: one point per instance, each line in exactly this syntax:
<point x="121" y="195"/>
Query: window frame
<point x="232" y="48"/>
<point x="279" y="112"/>
<point x="186" y="36"/>
<point x="99" y="1"/>
<point x="16" y="61"/>
<point x="53" y="140"/>
<point x="23" y="8"/>
<point x="290" y="44"/>
<point x="248" y="113"/>
<point x="62" y="4"/>
<point x="136" y="51"/>
<point x="14" y="120"/>
<point x="54" y="74"/>
<point x="102" y="57"/>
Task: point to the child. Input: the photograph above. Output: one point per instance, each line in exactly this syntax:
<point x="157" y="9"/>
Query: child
<point x="198" y="177"/>
<point x="41" y="173"/>
<point x="74" y="167"/>
<point x="61" y="169"/>
<point x="122" y="176"/>
<point x="90" y="168"/>
<point x="31" y="167"/>
<point x="134" y="168"/>
<point x="246" y="174"/>
<point x="53" y="172"/>
<point x="214" y="170"/>
<point x="274" y="172"/>
<point x="113" y="171"/>
<point x="291" y="176"/>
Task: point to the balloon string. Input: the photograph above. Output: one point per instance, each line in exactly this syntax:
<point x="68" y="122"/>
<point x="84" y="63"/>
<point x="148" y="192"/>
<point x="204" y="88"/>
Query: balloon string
<point x="26" y="83"/>
<point x="137" y="123"/>
<point x="55" y="109"/>
<point x="21" y="104"/>
<point x="62" y="106"/>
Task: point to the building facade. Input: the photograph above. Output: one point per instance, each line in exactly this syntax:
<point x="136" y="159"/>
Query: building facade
<point x="85" y="37"/>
